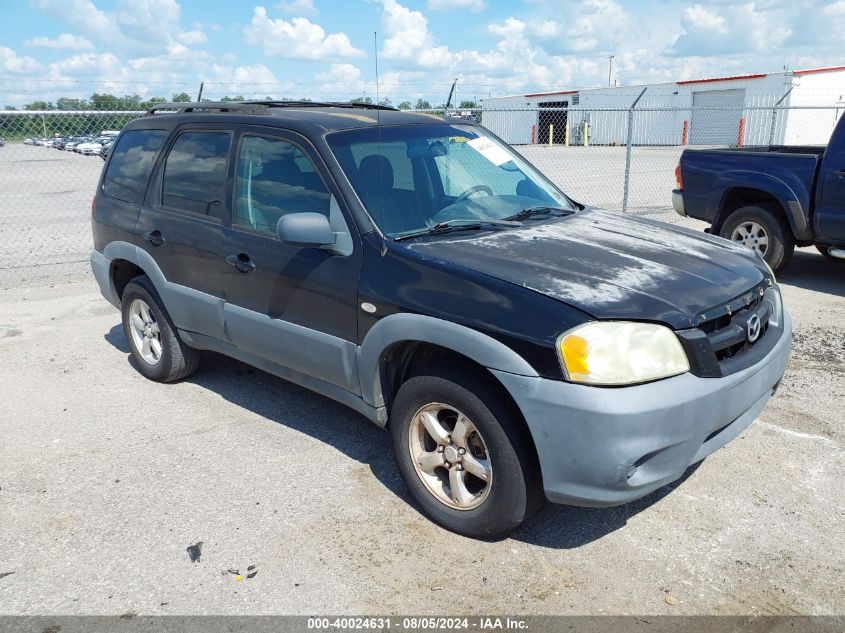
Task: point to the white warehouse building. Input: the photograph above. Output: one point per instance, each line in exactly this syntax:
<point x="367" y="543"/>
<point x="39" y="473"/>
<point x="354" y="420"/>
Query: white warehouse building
<point x="731" y="111"/>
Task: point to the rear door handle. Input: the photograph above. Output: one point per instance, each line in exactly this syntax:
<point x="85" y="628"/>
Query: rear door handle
<point x="241" y="262"/>
<point x="154" y="237"/>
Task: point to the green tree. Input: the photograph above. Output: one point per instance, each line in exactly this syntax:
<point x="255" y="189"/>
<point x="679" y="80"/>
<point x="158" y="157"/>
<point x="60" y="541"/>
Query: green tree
<point x="405" y="105"/>
<point x="366" y="100"/>
<point x="39" y="105"/>
<point x="227" y="98"/>
<point x="468" y="105"/>
<point x="422" y="104"/>
<point x="385" y="102"/>
<point x="181" y="97"/>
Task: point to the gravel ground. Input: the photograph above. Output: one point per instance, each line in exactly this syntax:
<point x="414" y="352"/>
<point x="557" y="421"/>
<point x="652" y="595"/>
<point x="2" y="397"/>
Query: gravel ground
<point x="106" y="479"/>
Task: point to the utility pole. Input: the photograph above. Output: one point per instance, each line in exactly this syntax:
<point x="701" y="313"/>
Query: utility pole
<point x="609" y="70"/>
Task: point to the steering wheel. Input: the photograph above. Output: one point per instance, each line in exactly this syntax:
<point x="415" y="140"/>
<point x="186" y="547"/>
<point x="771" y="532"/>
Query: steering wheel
<point x="466" y="194"/>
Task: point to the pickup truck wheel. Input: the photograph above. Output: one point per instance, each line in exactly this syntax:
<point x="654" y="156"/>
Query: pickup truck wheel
<point x="158" y="351"/>
<point x="464" y="466"/>
<point x="760" y="230"/>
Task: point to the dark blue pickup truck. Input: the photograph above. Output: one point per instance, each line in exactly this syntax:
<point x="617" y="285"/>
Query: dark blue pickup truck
<point x="769" y="198"/>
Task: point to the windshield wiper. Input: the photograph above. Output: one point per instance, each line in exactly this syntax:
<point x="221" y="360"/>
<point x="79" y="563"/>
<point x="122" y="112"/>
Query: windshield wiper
<point x="457" y="225"/>
<point x="538" y="210"/>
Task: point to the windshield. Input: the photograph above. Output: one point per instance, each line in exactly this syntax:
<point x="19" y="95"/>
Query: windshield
<point x="418" y="176"/>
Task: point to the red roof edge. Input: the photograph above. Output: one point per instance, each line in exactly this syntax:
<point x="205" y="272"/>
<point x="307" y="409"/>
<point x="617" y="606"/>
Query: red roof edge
<point x="550" y="94"/>
<point x="811" y="71"/>
<point x="714" y="79"/>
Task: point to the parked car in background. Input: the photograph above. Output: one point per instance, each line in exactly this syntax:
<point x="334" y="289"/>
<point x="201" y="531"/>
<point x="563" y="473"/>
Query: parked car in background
<point x="2" y="141"/>
<point x="90" y="148"/>
<point x="771" y="198"/>
<point x="29" y="141"/>
<point x="517" y="344"/>
<point x="105" y="149"/>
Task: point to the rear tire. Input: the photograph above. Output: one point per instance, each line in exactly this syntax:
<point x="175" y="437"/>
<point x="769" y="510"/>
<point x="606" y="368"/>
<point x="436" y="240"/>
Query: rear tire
<point x="155" y="345"/>
<point x="478" y="508"/>
<point x="760" y="229"/>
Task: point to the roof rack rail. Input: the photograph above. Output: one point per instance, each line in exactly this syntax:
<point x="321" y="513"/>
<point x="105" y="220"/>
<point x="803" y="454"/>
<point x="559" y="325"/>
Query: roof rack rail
<point x="251" y="107"/>
<point x="254" y="107"/>
<point x="319" y="104"/>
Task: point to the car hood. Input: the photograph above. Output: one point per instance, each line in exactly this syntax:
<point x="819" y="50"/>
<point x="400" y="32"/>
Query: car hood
<point x="609" y="265"/>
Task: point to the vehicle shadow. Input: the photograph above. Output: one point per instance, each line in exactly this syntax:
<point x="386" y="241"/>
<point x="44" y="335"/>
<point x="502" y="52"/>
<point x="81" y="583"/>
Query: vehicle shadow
<point x="568" y="527"/>
<point x="558" y="527"/>
<point x="810" y="270"/>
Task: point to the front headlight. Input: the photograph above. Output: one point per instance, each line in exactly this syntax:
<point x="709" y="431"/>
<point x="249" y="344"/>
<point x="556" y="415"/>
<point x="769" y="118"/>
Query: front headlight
<point x="621" y="353"/>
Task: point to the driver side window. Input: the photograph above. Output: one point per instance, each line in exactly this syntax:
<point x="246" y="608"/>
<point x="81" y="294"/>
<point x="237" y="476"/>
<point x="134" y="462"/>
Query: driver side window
<point x="274" y="178"/>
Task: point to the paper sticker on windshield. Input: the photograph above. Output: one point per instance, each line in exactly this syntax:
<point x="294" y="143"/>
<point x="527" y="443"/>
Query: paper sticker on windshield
<point x="489" y="150"/>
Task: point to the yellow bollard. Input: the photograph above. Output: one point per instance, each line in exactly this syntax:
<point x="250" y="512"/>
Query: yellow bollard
<point x="551" y="134"/>
<point x="586" y="134"/>
<point x="566" y="134"/>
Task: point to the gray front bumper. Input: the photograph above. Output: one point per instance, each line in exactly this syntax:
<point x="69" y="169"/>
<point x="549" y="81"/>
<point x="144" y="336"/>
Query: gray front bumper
<point x="608" y="446"/>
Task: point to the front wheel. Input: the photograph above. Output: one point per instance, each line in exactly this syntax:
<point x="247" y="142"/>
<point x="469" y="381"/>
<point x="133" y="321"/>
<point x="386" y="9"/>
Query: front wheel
<point x="760" y="230"/>
<point x="466" y="462"/>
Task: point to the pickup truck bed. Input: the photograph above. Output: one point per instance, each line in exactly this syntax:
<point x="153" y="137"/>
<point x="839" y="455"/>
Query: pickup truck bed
<point x="770" y="198"/>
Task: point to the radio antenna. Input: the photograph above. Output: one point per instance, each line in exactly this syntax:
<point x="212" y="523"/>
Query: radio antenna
<point x="378" y="132"/>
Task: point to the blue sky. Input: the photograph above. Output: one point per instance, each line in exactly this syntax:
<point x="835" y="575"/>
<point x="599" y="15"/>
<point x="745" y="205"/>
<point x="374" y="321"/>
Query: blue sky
<point x="324" y="48"/>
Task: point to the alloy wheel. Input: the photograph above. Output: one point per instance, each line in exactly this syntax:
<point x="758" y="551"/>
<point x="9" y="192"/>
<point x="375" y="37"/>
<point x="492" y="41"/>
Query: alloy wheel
<point x="450" y="456"/>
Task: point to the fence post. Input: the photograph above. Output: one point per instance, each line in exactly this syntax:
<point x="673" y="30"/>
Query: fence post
<point x="628" y="151"/>
<point x="551" y="134"/>
<point x="741" y="134"/>
<point x="685" y="132"/>
<point x="566" y="134"/>
<point x="586" y="133"/>
<point x="533" y="134"/>
<point x="774" y="114"/>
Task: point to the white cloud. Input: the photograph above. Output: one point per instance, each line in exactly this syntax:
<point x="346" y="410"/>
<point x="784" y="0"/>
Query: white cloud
<point x="408" y="37"/>
<point x="297" y="39"/>
<point x="11" y="62"/>
<point x="298" y="7"/>
<point x="708" y="32"/>
<point x="194" y="36"/>
<point x="447" y="5"/>
<point x="133" y="26"/>
<point x="65" y="41"/>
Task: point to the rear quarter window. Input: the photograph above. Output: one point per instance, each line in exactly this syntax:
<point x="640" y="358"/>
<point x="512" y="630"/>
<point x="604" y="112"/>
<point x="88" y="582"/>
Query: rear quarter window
<point x="131" y="164"/>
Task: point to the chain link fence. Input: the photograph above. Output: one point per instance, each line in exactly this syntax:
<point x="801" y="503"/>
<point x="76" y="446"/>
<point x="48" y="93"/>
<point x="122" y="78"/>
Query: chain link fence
<point x="616" y="158"/>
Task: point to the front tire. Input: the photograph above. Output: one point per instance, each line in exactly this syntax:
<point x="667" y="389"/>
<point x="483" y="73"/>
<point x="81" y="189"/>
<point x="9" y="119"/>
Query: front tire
<point x="155" y="345"/>
<point x="759" y="229"/>
<point x="465" y="460"/>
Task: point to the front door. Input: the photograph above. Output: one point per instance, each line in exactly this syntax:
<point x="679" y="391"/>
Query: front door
<point x="293" y="306"/>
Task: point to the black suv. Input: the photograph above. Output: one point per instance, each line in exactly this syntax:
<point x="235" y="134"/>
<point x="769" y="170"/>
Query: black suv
<point x="518" y="345"/>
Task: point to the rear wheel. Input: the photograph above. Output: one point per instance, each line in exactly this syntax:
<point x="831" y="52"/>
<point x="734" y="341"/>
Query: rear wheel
<point x="465" y="461"/>
<point x="760" y="230"/>
<point x="155" y="345"/>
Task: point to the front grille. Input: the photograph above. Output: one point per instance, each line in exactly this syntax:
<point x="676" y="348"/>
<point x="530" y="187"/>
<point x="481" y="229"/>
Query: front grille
<point x="721" y="344"/>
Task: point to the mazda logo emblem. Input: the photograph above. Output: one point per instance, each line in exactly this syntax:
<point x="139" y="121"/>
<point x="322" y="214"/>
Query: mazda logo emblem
<point x="754" y="327"/>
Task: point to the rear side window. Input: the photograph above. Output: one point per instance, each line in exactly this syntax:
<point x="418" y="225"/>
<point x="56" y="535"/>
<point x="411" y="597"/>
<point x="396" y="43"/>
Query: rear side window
<point x="195" y="174"/>
<point x="131" y="164"/>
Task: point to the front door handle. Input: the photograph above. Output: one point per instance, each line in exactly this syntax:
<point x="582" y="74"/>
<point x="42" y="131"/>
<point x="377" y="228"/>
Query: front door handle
<point x="241" y="262"/>
<point x="154" y="237"/>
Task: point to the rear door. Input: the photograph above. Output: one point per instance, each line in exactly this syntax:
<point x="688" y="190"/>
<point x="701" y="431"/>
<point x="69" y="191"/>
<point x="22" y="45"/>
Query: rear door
<point x="181" y="225"/>
<point x="294" y="306"/>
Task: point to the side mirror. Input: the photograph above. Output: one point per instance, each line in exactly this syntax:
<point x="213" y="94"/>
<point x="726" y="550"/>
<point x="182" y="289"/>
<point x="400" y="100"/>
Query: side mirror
<point x="309" y="230"/>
